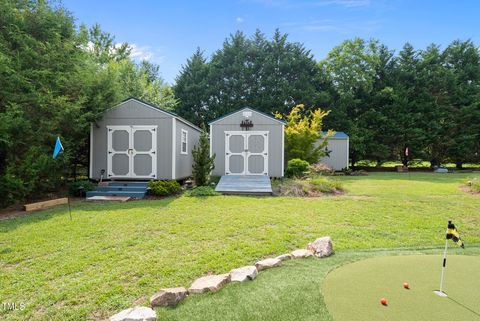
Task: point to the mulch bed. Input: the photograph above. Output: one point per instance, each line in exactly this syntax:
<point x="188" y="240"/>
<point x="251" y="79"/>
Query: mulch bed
<point x="467" y="189"/>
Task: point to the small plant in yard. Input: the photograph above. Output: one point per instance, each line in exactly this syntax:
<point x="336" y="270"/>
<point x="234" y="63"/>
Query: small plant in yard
<point x="474" y="185"/>
<point x="164" y="188"/>
<point x="325" y="185"/>
<point x="309" y="187"/>
<point x="321" y="168"/>
<point x="79" y="188"/>
<point x="202" y="162"/>
<point x="202" y="191"/>
<point x="296" y="168"/>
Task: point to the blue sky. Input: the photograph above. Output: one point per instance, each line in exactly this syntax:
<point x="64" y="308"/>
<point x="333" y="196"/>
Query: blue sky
<point x="168" y="32"/>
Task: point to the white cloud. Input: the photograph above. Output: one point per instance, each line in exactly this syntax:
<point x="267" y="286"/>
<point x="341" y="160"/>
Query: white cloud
<point x="141" y="52"/>
<point x="239" y="19"/>
<point x="137" y="52"/>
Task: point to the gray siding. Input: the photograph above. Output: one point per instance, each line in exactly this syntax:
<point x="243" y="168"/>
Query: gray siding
<point x="260" y="123"/>
<point x="133" y="113"/>
<point x="184" y="162"/>
<point x="338" y="158"/>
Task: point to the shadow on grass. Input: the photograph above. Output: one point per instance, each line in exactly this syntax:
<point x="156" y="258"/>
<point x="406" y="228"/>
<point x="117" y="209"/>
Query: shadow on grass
<point x="464" y="306"/>
<point x="413" y="176"/>
<point x="8" y="225"/>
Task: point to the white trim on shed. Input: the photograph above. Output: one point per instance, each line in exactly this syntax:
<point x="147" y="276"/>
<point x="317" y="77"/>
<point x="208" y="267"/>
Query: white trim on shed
<point x="184" y="135"/>
<point x="247" y="142"/>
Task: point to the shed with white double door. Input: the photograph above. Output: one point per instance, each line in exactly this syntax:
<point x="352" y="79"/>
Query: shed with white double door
<point x="247" y="142"/>
<point x="136" y="140"/>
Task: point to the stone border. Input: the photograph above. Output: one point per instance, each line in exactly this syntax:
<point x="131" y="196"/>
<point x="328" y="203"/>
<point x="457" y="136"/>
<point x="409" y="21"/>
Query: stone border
<point x="170" y="297"/>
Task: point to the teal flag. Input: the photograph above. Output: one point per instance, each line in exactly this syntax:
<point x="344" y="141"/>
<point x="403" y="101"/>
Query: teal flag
<point x="58" y="148"/>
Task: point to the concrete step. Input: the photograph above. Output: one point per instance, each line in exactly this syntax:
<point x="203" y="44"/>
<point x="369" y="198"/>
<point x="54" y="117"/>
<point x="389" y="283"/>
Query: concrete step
<point x="121" y="188"/>
<point x="116" y="193"/>
<point x="127" y="183"/>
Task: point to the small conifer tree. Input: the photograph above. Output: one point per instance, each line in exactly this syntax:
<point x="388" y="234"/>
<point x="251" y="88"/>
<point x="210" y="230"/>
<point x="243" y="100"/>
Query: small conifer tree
<point x="202" y="162"/>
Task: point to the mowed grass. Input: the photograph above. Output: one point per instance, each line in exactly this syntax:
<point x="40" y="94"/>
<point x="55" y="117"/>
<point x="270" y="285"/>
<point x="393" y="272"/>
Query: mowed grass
<point x="114" y="256"/>
<point x="299" y="291"/>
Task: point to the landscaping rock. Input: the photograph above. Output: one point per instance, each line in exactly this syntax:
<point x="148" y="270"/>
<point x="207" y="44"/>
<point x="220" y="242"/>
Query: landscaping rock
<point x="301" y="253"/>
<point x="135" y="314"/>
<point x="284" y="257"/>
<point x="168" y="297"/>
<point x="321" y="247"/>
<point x="267" y="263"/>
<point x="210" y="283"/>
<point x="244" y="273"/>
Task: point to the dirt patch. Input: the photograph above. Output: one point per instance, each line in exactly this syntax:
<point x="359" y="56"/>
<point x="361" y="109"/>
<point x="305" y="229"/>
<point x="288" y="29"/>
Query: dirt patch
<point x="466" y="189"/>
<point x="12" y="211"/>
<point x="17" y="210"/>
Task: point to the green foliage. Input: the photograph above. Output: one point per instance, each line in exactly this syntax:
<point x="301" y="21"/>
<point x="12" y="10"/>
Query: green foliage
<point x="12" y="189"/>
<point x="296" y="168"/>
<point x="203" y="164"/>
<point x="426" y="100"/>
<point x="303" y="134"/>
<point x="267" y="74"/>
<point x="191" y="87"/>
<point x="164" y="188"/>
<point x="54" y="80"/>
<point x="202" y="191"/>
<point x="474" y="185"/>
<point x="79" y="188"/>
<point x="325" y="185"/>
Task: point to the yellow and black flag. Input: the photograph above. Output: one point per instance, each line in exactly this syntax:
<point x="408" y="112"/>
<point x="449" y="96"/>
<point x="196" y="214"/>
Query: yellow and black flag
<point x="452" y="234"/>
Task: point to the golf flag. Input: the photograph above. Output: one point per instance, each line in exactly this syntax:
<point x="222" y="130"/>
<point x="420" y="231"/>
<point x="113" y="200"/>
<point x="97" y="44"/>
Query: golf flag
<point x="452" y="234"/>
<point x="58" y="148"/>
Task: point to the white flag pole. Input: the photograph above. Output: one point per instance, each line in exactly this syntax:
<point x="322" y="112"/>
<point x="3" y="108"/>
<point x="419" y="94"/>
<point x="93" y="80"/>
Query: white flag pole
<point x="440" y="292"/>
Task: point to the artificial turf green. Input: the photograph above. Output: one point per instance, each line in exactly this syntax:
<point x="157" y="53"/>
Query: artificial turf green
<point x="353" y="291"/>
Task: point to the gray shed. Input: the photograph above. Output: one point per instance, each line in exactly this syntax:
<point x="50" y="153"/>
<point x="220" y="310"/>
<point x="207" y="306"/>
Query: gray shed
<point x="137" y="140"/>
<point x="247" y="142"/>
<point x="338" y="148"/>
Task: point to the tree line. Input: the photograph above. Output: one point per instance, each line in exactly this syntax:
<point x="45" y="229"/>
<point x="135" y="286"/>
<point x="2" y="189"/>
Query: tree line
<point x="56" y="78"/>
<point x="427" y="100"/>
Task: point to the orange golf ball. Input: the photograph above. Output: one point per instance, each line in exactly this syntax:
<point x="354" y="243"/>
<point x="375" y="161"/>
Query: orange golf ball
<point x="406" y="286"/>
<point x="383" y="301"/>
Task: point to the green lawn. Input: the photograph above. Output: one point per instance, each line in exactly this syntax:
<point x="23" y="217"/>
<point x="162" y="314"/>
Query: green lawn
<point x="113" y="256"/>
<point x="296" y="291"/>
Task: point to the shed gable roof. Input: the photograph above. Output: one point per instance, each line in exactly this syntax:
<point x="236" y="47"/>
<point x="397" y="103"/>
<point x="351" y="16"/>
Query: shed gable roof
<point x="250" y="109"/>
<point x="148" y="105"/>
<point x="339" y="135"/>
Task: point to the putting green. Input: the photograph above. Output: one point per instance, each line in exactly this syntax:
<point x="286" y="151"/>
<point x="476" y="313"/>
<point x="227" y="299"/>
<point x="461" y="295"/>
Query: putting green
<point x="353" y="291"/>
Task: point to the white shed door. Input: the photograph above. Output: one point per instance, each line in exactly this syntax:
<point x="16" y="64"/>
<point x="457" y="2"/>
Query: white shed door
<point x="246" y="153"/>
<point x="132" y="152"/>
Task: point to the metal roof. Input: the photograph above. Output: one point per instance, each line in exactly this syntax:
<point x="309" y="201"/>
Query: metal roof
<point x="250" y="108"/>
<point x="339" y="135"/>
